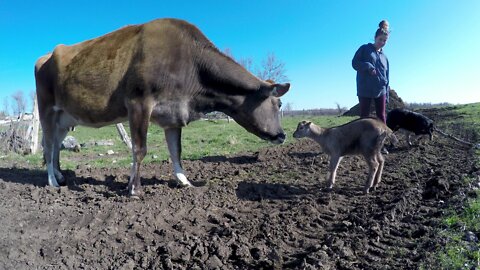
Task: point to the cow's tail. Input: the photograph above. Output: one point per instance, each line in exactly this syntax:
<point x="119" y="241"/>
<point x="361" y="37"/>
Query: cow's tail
<point x="455" y="138"/>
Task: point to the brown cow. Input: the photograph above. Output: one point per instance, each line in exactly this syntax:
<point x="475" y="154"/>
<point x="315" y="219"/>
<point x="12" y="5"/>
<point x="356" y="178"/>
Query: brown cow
<point x="165" y="71"/>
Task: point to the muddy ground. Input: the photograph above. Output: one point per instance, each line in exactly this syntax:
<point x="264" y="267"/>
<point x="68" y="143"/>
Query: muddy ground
<point x="266" y="210"/>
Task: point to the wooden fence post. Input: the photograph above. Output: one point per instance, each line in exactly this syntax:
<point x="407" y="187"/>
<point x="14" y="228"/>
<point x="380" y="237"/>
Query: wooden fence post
<point x="31" y="135"/>
<point x="124" y="135"/>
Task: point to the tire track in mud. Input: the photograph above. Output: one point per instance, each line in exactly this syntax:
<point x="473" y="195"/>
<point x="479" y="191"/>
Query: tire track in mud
<point x="265" y="210"/>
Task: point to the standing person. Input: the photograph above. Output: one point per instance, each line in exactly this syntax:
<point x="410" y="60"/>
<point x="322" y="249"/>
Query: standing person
<point x="372" y="69"/>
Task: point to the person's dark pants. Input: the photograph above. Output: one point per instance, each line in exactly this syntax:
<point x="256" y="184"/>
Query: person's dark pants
<point x="379" y="107"/>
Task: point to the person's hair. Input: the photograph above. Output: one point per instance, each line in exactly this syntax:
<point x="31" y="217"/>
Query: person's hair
<point x="382" y="29"/>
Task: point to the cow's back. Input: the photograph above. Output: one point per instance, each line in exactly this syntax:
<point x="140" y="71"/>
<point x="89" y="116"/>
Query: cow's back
<point x="92" y="79"/>
<point x="90" y="73"/>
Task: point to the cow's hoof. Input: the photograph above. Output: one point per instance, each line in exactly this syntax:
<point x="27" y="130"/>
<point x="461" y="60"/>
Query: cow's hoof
<point x="135" y="197"/>
<point x="184" y="185"/>
<point x="135" y="192"/>
<point x="53" y="182"/>
<point x="366" y="191"/>
<point x="182" y="180"/>
<point x="62" y="182"/>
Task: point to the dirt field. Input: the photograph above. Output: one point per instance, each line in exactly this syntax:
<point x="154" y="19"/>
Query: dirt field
<point x="266" y="210"/>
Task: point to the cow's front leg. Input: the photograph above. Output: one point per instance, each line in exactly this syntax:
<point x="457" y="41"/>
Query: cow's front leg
<point x="174" y="137"/>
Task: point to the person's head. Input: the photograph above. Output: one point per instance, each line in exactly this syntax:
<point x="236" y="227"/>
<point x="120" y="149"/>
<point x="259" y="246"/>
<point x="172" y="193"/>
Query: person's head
<point x="381" y="35"/>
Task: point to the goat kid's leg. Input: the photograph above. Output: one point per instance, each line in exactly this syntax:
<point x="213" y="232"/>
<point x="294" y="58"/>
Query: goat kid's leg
<point x="372" y="171"/>
<point x="378" y="175"/>
<point x="333" y="166"/>
<point x="138" y="120"/>
<point x="173" y="137"/>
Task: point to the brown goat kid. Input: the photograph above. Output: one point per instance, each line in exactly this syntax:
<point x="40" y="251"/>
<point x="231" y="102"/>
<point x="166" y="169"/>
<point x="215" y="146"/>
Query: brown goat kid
<point x="359" y="137"/>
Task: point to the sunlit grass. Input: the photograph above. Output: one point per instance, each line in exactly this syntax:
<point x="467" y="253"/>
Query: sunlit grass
<point x="199" y="139"/>
<point x="459" y="253"/>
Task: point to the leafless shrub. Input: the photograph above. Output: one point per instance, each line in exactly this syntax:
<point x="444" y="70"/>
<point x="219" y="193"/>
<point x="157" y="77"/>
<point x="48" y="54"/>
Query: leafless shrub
<point x="12" y="139"/>
<point x="272" y="69"/>
<point x="19" y="103"/>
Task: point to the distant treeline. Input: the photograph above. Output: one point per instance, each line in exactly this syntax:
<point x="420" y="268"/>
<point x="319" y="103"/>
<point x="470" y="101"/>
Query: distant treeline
<point x="415" y="106"/>
<point x="338" y="111"/>
<point x="315" y="112"/>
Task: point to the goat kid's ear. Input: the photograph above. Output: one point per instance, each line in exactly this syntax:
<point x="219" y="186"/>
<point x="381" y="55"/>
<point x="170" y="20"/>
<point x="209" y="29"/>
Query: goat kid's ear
<point x="305" y="123"/>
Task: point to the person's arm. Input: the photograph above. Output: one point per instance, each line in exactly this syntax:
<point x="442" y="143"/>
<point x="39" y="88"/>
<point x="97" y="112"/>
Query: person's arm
<point x="387" y="94"/>
<point x="357" y="62"/>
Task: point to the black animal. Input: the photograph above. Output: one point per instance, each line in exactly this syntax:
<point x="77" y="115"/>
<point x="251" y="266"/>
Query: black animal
<point x="410" y="121"/>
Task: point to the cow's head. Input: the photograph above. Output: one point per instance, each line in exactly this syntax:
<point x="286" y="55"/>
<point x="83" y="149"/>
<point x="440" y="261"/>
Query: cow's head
<point x="259" y="112"/>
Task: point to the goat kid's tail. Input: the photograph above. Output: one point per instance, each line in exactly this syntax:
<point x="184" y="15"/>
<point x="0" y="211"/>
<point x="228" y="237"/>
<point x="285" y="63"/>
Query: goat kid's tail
<point x="381" y="139"/>
<point x="386" y="134"/>
<point x="391" y="136"/>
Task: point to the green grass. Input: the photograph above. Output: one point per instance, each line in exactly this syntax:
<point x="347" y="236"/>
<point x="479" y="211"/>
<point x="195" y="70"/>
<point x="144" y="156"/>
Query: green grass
<point x="199" y="139"/>
<point x="459" y="253"/>
<point x="470" y="114"/>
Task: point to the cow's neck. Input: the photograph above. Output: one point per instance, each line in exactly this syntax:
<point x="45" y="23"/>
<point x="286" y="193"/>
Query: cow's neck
<point x="220" y="73"/>
<point x="225" y="83"/>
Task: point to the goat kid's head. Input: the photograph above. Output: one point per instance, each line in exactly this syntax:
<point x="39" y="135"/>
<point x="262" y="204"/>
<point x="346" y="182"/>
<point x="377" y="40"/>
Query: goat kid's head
<point x="303" y="130"/>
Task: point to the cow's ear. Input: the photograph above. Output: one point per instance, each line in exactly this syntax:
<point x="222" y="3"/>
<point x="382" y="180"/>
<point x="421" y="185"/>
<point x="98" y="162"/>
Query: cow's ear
<point x="280" y="89"/>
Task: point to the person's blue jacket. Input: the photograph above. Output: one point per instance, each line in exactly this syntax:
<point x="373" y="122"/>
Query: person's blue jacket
<point x="367" y="58"/>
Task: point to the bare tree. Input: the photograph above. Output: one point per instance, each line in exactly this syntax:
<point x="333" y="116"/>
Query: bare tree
<point x="20" y="103"/>
<point x="228" y="52"/>
<point x="6" y="106"/>
<point x="33" y="97"/>
<point x="247" y="63"/>
<point x="272" y="69"/>
<point x="288" y="107"/>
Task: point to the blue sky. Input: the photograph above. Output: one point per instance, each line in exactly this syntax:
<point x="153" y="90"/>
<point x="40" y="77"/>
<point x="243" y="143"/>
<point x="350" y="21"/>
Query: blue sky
<point x="434" y="46"/>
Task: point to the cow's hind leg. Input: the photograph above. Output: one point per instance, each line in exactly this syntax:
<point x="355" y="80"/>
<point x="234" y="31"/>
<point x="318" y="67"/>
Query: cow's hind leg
<point x="63" y="121"/>
<point x="139" y="116"/>
<point x="61" y="133"/>
<point x="173" y="137"/>
<point x="48" y="140"/>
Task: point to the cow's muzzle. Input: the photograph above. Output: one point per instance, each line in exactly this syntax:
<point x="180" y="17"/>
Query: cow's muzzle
<point x="279" y="138"/>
